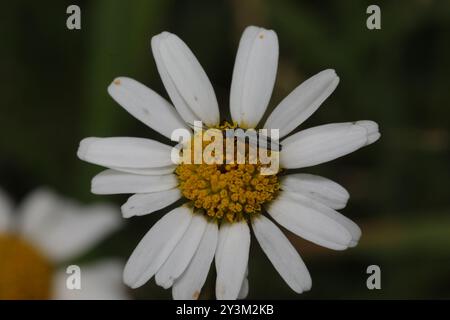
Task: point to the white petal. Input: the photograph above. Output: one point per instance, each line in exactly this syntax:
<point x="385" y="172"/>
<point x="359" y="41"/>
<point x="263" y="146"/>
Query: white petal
<point x="326" y="142"/>
<point x="156" y="246"/>
<point x="254" y="76"/>
<point x="318" y="188"/>
<point x="373" y="133"/>
<point x="231" y="259"/>
<point x="189" y="285"/>
<point x="243" y="292"/>
<point x="180" y="104"/>
<point x="62" y="229"/>
<point x="348" y="224"/>
<point x="146" y="105"/>
<point x="116" y="182"/>
<point x="99" y="281"/>
<point x="185" y="80"/>
<point x="6" y="221"/>
<point x="182" y="254"/>
<point x="156" y="171"/>
<point x="125" y="152"/>
<point x="37" y="208"/>
<point x="282" y="254"/>
<point x="310" y="220"/>
<point x="301" y="103"/>
<point x="141" y="204"/>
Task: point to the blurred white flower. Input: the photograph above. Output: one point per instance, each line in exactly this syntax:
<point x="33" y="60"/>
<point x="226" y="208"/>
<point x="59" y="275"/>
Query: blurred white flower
<point x="179" y="248"/>
<point x="39" y="238"/>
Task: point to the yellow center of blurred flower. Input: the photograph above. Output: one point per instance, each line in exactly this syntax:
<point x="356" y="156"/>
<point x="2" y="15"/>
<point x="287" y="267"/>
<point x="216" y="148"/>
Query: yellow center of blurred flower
<point x="24" y="272"/>
<point x="227" y="191"/>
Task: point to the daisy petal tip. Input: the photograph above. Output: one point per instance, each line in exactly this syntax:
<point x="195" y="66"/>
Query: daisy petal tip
<point x="94" y="186"/>
<point x="153" y="42"/>
<point x="372" y="129"/>
<point x="126" y="278"/>
<point x="164" y="37"/>
<point x="373" y="138"/>
<point x="270" y="33"/>
<point x="331" y="73"/>
<point x="97" y="185"/>
<point x="126" y="211"/>
<point x="308" y="282"/>
<point x="261" y="31"/>
<point x="156" y="40"/>
<point x="353" y="243"/>
<point x="83" y="148"/>
<point x="159" y="36"/>
<point x="113" y="87"/>
<point x="116" y="82"/>
<point x="336" y="81"/>
<point x="308" y="285"/>
<point x="253" y="29"/>
<point x="179" y="295"/>
<point x="167" y="34"/>
<point x="369" y="125"/>
<point x="221" y="292"/>
<point x="355" y="237"/>
<point x="163" y="283"/>
<point x="134" y="285"/>
<point x="130" y="279"/>
<point x="333" y="79"/>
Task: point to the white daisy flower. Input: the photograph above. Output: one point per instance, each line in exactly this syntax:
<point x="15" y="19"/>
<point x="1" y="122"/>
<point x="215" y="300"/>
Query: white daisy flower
<point x="47" y="231"/>
<point x="223" y="200"/>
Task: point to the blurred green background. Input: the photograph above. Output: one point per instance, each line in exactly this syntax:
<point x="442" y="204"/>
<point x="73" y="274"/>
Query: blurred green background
<point x="53" y="94"/>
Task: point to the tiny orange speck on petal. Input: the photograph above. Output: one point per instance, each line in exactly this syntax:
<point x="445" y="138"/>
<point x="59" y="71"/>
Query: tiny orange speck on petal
<point x="196" y="295"/>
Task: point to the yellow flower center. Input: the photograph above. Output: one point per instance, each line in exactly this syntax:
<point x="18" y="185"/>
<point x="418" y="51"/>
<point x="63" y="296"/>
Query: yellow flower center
<point x="24" y="272"/>
<point x="227" y="191"/>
